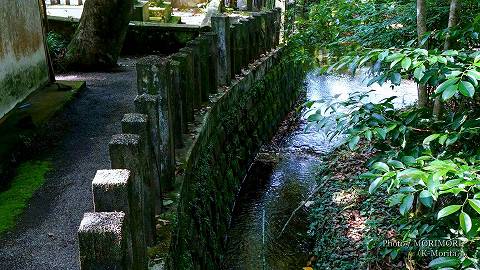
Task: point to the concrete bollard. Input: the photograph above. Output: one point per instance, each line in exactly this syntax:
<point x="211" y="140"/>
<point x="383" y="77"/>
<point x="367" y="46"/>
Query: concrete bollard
<point x="152" y="75"/>
<point x="115" y="190"/>
<point x="213" y="57"/>
<point x="148" y="105"/>
<point x="126" y="153"/>
<point x="136" y="123"/>
<point x="258" y="34"/>
<point x="221" y="26"/>
<point x="251" y="39"/>
<point x="185" y="61"/>
<point x="244" y="43"/>
<point x="205" y="52"/>
<point x="196" y="94"/>
<point x="176" y="104"/>
<point x="278" y="24"/>
<point x="104" y="242"/>
<point x="263" y="32"/>
<point x="236" y="52"/>
<point x="199" y="69"/>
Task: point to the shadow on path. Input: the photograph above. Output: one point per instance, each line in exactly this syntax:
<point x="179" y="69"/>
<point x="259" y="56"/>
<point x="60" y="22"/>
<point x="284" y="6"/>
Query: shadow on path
<point x="46" y="235"/>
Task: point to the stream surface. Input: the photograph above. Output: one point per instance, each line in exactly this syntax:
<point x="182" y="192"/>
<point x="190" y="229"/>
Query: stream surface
<point x="284" y="176"/>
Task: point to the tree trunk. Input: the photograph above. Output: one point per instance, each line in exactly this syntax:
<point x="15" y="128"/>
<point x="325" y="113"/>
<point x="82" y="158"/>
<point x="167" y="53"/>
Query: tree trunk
<point x="452" y="22"/>
<point x="100" y="35"/>
<point x="421" y="30"/>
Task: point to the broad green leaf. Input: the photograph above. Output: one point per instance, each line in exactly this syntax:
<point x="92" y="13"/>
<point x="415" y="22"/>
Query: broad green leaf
<point x="396" y="164"/>
<point x="407" y="204"/>
<point x="396" y="78"/>
<point x="450" y="53"/>
<point x="475" y="204"/>
<point x="368" y="134"/>
<point x="429" y="139"/>
<point x="446" y="84"/>
<point x="473" y="73"/>
<point x="375" y="184"/>
<point x="382" y="133"/>
<point x="352" y="144"/>
<point x="396" y="199"/>
<point x="394" y="56"/>
<point x="465" y="222"/>
<point x="380" y="166"/>
<point x="419" y="72"/>
<point x="406" y="63"/>
<point x="448" y="210"/>
<point x="444" y="262"/>
<point x="426" y="198"/>
<point x="466" y="88"/>
<point x="409" y="160"/>
<point x="449" y="92"/>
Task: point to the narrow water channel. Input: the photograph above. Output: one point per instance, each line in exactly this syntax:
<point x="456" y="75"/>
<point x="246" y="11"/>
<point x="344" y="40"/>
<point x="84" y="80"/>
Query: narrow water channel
<point x="283" y="176"/>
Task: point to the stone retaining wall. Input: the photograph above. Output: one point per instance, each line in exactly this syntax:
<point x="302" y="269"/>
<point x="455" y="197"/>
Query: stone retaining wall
<point x="201" y="116"/>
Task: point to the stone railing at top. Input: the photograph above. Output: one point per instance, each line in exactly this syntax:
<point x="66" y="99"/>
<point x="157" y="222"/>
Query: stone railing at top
<point x="171" y="91"/>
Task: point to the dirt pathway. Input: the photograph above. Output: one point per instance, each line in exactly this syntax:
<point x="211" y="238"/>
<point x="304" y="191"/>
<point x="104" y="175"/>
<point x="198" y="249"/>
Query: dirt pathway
<point x="45" y="236"/>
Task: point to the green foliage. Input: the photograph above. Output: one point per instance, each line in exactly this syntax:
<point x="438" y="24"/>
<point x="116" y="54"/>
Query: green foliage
<point x="30" y="176"/>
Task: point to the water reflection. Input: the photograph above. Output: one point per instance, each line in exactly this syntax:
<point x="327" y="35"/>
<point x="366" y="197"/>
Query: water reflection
<point x="273" y="190"/>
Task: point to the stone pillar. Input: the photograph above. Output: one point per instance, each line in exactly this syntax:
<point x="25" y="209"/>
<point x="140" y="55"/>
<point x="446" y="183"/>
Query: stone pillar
<point x="221" y="26"/>
<point x="263" y="32"/>
<point x="251" y="39"/>
<point x="236" y="52"/>
<point x="258" y="34"/>
<point x="270" y="29"/>
<point x="201" y="65"/>
<point x="136" y="123"/>
<point x="278" y="25"/>
<point x="185" y="61"/>
<point x="196" y="94"/>
<point x="148" y="105"/>
<point x="154" y="77"/>
<point x="104" y="242"/>
<point x="125" y="153"/>
<point x="176" y="104"/>
<point x="213" y="57"/>
<point x="244" y="43"/>
<point x="115" y="190"/>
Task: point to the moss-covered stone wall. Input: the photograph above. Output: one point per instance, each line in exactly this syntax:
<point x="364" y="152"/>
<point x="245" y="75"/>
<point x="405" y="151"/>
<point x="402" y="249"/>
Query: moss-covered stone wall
<point x="23" y="64"/>
<point x="232" y="131"/>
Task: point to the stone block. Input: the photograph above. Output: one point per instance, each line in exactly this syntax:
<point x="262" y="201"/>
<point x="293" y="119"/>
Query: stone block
<point x="192" y="71"/>
<point x="185" y="61"/>
<point x="199" y="65"/>
<point x="104" y="241"/>
<point x="126" y="151"/>
<point x="176" y="105"/>
<point x="212" y="40"/>
<point x="221" y="26"/>
<point x="116" y="191"/>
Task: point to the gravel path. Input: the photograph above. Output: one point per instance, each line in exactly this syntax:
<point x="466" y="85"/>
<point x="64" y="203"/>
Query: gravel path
<point x="45" y="236"/>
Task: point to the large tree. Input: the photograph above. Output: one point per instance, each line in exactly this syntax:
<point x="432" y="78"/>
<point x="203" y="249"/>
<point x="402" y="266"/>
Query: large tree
<point x="100" y="35"/>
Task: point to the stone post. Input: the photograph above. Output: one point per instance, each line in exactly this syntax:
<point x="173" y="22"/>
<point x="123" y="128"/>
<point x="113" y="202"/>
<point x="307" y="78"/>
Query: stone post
<point x="263" y="32"/>
<point x="258" y="34"/>
<point x="213" y="57"/>
<point x="201" y="65"/>
<point x="185" y="61"/>
<point x="278" y="25"/>
<point x="251" y="39"/>
<point x="221" y="26"/>
<point x="115" y="190"/>
<point x="176" y="105"/>
<point x="270" y="29"/>
<point x="236" y="39"/>
<point x="125" y="153"/>
<point x="148" y="105"/>
<point x="104" y="242"/>
<point x="154" y="77"/>
<point x="244" y="43"/>
<point x="136" y="123"/>
<point x="193" y="52"/>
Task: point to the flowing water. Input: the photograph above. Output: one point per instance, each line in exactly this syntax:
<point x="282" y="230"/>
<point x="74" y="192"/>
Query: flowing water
<point x="264" y="234"/>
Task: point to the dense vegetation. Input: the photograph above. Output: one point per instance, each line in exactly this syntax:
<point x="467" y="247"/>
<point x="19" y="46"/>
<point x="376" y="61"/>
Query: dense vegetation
<point x="426" y="159"/>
